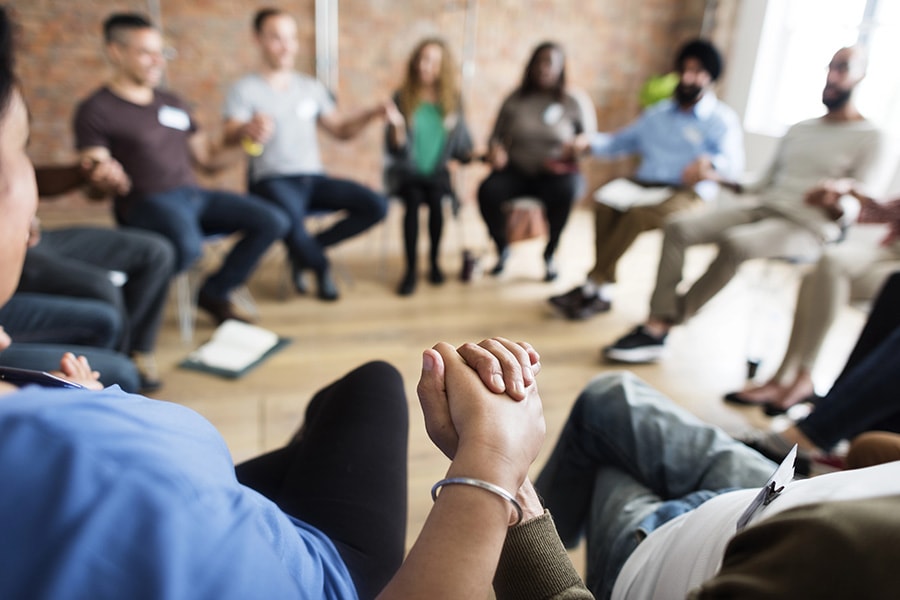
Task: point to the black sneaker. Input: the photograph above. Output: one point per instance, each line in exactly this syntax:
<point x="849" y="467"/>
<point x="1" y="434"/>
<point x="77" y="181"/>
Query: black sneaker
<point x="574" y="298"/>
<point x="639" y="346"/>
<point x="590" y="307"/>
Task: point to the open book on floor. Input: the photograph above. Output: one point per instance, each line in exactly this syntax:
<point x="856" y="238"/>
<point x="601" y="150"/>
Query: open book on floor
<point x="235" y="349"/>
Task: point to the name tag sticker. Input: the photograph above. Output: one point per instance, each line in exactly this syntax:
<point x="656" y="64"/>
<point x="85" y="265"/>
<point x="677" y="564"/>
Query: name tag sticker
<point x="553" y="113"/>
<point x="174" y="118"/>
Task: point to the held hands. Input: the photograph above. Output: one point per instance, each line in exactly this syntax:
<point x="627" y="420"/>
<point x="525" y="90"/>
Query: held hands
<point x="106" y="175"/>
<point x="481" y="402"/>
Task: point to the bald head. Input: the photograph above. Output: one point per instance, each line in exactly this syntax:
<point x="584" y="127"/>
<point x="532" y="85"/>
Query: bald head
<point x="846" y="69"/>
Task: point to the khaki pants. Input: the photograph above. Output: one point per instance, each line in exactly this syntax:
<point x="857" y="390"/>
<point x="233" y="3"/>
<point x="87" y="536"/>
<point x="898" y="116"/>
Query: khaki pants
<point x="616" y="230"/>
<point x="741" y="233"/>
<point x="849" y="271"/>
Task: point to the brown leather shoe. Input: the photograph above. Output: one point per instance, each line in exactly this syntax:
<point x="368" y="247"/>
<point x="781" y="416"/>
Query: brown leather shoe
<point x="220" y="310"/>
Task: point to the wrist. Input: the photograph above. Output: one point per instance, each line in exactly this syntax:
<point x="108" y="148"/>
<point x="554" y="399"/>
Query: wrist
<point x="529" y="500"/>
<point x="487" y="466"/>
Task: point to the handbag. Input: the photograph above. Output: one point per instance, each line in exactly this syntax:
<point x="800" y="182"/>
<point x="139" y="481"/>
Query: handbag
<point x="525" y="221"/>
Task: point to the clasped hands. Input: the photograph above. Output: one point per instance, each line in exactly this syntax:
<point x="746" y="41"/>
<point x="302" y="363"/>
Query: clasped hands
<point x="483" y="411"/>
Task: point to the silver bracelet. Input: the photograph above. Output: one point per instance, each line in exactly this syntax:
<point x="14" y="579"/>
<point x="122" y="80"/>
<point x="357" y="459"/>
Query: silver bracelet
<point x="484" y="485"/>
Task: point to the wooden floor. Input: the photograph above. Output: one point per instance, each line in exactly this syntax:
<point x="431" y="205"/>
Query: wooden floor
<point x="706" y="358"/>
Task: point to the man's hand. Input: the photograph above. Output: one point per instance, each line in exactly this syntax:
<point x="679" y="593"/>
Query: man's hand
<point x="34" y="232"/>
<point x="699" y="170"/>
<point x="258" y="129"/>
<point x="105" y="175"/>
<point x="77" y="370"/>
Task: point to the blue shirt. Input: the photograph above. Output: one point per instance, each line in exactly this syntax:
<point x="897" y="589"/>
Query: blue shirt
<point x="668" y="139"/>
<point x="109" y="495"/>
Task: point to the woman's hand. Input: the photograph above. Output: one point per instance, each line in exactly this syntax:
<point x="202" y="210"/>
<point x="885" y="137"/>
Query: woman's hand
<point x="77" y="370"/>
<point x="481" y="401"/>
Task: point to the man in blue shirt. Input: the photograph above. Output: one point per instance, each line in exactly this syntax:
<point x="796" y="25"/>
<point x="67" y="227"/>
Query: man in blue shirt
<point x="687" y="144"/>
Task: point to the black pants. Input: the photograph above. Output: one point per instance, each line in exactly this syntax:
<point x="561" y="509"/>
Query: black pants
<point x="344" y="472"/>
<point x="883" y="319"/>
<point x="556" y="193"/>
<point x="414" y="193"/>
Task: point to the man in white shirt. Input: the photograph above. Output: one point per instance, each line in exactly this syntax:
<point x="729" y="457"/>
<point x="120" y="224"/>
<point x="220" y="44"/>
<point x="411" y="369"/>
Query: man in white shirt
<point x="659" y="495"/>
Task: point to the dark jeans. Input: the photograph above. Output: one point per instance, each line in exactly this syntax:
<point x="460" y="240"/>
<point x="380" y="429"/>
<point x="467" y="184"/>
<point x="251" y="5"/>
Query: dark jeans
<point x="344" y="472"/>
<point x="864" y="397"/>
<point x="77" y="261"/>
<point x="44" y="318"/>
<point x="556" y="192"/>
<point x="114" y="368"/>
<point x="187" y="215"/>
<point x="416" y="192"/>
<point x="301" y="195"/>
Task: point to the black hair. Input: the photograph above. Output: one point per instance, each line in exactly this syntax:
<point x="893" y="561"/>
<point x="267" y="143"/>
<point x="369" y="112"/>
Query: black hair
<point x="528" y="85"/>
<point x="7" y="60"/>
<point x="703" y="51"/>
<point x="118" y="23"/>
<point x="259" y="19"/>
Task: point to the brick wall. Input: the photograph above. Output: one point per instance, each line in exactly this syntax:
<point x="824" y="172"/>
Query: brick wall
<point x="612" y="46"/>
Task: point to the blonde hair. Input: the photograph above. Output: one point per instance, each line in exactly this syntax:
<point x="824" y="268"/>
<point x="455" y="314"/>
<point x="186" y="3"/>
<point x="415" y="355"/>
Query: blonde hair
<point x="447" y="90"/>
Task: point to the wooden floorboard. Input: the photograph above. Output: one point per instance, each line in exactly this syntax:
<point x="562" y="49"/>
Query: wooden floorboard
<point x="706" y="357"/>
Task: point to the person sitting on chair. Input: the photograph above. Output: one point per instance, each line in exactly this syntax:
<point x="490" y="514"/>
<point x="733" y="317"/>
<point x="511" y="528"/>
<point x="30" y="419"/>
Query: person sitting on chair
<point x="275" y="114"/>
<point x="150" y="133"/>
<point x="426" y="129"/>
<point x="687" y="144"/>
<point x="530" y="152"/>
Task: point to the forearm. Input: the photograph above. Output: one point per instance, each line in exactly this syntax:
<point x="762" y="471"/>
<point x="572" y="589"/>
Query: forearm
<point x="534" y="565"/>
<point x="52" y="181"/>
<point x="456" y="554"/>
<point x="352" y="124"/>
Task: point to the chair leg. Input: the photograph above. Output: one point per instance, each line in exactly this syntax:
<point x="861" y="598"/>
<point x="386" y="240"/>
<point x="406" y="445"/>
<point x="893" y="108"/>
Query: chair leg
<point x="185" y="301"/>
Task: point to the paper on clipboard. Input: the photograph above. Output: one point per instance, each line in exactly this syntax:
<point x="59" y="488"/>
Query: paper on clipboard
<point x="622" y="194"/>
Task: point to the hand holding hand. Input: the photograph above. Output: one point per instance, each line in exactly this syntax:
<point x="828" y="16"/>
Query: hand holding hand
<point x="107" y="175"/>
<point x="481" y="400"/>
<point x="77" y="370"/>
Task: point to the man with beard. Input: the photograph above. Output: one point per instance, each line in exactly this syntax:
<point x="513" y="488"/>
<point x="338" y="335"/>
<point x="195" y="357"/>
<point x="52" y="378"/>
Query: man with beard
<point x="793" y="214"/>
<point x="687" y="145"/>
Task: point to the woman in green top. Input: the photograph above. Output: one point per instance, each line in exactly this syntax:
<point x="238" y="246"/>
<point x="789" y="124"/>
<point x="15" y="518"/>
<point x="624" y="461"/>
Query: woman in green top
<point x="426" y="130"/>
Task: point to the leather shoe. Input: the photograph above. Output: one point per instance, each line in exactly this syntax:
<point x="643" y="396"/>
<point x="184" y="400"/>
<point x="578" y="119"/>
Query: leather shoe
<point x="299" y="281"/>
<point x="219" y="309"/>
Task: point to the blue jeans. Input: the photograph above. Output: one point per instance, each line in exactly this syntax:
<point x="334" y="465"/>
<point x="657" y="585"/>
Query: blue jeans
<point x="76" y="261"/>
<point x="301" y="195"/>
<point x="51" y="319"/>
<point x="627" y="461"/>
<point x="114" y="368"/>
<point x="186" y="215"/>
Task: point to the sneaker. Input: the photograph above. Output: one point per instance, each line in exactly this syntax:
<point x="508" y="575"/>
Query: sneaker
<point x="590" y="307"/>
<point x="639" y="346"/>
<point x="327" y="288"/>
<point x="572" y="298"/>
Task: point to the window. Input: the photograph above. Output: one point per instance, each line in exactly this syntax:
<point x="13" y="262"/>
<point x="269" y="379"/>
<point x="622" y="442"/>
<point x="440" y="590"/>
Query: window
<point x="797" y="42"/>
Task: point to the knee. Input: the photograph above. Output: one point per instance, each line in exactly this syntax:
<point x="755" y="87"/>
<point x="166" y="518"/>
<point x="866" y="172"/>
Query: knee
<point x="187" y="252"/>
<point x="675" y="231"/>
<point x="733" y="250"/>
<point x="161" y="255"/>
<point x="376" y="207"/>
<point x="604" y="396"/>
<point x="273" y="220"/>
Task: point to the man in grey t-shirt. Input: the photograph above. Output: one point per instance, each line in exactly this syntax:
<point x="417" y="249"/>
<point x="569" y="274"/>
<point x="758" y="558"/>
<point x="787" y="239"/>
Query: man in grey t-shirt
<point x="275" y="114"/>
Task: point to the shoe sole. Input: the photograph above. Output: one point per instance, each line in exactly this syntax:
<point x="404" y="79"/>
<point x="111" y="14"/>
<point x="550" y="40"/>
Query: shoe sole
<point x="634" y="355"/>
